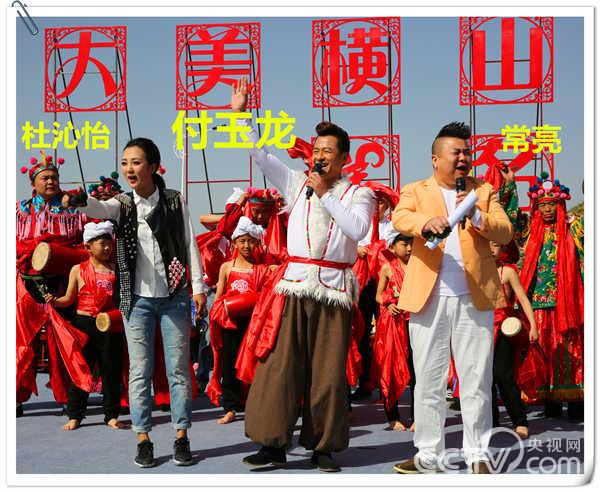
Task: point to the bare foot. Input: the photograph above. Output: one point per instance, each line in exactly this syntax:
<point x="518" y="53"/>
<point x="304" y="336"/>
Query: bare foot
<point x="397" y="426"/>
<point x="412" y="427"/>
<point x="116" y="424"/>
<point x="72" y="425"/>
<point x="522" y="431"/>
<point x="227" y="418"/>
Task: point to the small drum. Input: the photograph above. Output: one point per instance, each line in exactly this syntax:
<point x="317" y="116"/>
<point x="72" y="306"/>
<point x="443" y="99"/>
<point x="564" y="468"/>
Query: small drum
<point x="51" y="258"/>
<point x="111" y="321"/>
<point x="513" y="329"/>
<point x="240" y="306"/>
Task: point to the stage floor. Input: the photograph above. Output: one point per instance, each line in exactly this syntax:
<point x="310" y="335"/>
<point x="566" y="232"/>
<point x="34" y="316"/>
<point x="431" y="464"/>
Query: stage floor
<point x="43" y="447"/>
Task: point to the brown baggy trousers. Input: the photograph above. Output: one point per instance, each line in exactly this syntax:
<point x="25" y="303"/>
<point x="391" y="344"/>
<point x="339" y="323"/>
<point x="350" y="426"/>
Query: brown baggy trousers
<point x="305" y="373"/>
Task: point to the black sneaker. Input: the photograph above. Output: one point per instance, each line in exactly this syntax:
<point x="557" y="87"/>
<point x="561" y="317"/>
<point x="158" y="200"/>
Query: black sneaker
<point x="266" y="456"/>
<point x="145" y="454"/>
<point x="182" y="456"/>
<point x="325" y="462"/>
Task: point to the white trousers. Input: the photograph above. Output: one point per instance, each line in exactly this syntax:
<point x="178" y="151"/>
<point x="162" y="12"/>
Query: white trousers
<point x="452" y="325"/>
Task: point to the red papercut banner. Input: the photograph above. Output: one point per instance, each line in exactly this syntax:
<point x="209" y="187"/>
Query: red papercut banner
<point x="492" y="72"/>
<point x="211" y="58"/>
<point x="488" y="152"/>
<point x="356" y="62"/>
<point x="82" y="69"/>
<point x="368" y="154"/>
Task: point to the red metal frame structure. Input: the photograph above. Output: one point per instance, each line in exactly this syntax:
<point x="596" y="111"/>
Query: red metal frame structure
<point x="90" y="39"/>
<point x="487" y="146"/>
<point x="361" y="64"/>
<point x="382" y="147"/>
<point x="472" y="86"/>
<point x="194" y="44"/>
<point x="203" y="56"/>
<point x="333" y="73"/>
<point x="474" y="89"/>
<point x="106" y="37"/>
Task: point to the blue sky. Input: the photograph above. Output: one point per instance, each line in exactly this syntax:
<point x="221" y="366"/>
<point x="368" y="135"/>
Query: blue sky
<point x="430" y="63"/>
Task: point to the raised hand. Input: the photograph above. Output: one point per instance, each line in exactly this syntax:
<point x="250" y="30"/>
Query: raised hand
<point x="239" y="95"/>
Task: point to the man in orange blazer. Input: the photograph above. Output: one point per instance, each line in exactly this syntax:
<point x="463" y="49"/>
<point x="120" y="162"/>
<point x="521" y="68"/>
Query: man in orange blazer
<point x="451" y="293"/>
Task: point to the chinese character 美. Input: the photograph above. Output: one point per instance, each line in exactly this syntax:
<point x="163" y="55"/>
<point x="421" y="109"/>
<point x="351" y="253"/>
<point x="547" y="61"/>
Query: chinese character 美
<point x="269" y="121"/>
<point x="573" y="444"/>
<point x="219" y="63"/>
<point x="36" y="134"/>
<point x="234" y="130"/>
<point x="554" y="445"/>
<point x="515" y="137"/>
<point x="546" y="136"/>
<point x="202" y="122"/>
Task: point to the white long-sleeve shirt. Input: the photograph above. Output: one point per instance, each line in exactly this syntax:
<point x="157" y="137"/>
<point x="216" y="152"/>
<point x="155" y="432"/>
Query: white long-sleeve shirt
<point x="150" y="277"/>
<point x="326" y="228"/>
<point x="452" y="280"/>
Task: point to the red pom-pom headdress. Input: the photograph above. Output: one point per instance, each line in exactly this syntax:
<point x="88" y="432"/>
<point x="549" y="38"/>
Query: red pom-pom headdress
<point x="46" y="163"/>
<point x="545" y="190"/>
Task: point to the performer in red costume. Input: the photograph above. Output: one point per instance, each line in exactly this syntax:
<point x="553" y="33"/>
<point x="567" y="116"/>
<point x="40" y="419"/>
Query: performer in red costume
<point x="392" y="357"/>
<point x="240" y="279"/>
<point x="507" y="353"/>
<point x="262" y="206"/>
<point x="552" y="276"/>
<point x="372" y="254"/>
<point x="41" y="218"/>
<point x="91" y="283"/>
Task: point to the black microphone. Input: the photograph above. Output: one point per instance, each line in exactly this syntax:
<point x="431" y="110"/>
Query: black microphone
<point x="317" y="168"/>
<point x="461" y="185"/>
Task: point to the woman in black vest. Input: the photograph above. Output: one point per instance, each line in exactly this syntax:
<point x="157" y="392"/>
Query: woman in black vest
<point x="155" y="249"/>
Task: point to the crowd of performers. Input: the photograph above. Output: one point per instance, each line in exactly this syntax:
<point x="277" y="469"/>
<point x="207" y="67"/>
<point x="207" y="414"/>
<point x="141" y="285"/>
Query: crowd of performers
<point x="321" y="286"/>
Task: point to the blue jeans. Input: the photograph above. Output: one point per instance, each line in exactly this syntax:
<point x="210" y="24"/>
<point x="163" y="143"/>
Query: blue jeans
<point x="173" y="315"/>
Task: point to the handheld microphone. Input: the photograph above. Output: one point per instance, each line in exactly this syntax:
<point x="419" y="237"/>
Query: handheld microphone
<point x="317" y="168"/>
<point x="461" y="185"/>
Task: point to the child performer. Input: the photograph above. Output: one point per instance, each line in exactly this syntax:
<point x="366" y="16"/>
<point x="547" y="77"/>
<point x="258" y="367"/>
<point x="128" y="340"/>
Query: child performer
<point x="239" y="278"/>
<point x="504" y="352"/>
<point x="92" y="283"/>
<point x="393" y="367"/>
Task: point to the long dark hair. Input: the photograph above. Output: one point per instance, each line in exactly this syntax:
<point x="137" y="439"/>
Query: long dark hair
<point x="152" y="156"/>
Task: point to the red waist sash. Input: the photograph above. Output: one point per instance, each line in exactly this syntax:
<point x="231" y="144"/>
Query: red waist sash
<point x="321" y="263"/>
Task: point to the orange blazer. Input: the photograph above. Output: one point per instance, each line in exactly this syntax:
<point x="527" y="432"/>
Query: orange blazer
<point x="423" y="200"/>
